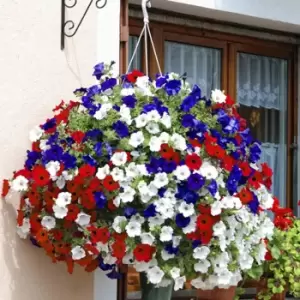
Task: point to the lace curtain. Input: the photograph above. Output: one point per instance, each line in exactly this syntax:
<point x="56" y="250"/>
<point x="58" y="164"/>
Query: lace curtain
<point x="262" y="91"/>
<point x="137" y="61"/>
<point x="201" y="64"/>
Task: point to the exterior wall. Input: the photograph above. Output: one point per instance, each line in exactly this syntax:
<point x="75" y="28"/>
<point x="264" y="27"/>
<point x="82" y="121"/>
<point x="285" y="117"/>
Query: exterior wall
<point x="35" y="75"/>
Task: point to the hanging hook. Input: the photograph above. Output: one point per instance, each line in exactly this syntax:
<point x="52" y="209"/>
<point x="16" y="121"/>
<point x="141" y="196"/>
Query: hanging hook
<point x="145" y="4"/>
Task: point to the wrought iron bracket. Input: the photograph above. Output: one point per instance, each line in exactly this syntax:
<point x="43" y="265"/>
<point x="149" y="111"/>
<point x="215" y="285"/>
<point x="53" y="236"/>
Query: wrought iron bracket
<point x="68" y="27"/>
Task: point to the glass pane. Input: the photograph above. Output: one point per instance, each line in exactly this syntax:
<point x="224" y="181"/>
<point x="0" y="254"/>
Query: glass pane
<point x="262" y="95"/>
<point x="202" y="64"/>
<point x="136" y="63"/>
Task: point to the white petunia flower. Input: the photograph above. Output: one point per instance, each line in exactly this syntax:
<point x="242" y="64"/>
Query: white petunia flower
<point x="216" y="208"/>
<point x="186" y="209"/>
<point x="155" y="275"/>
<point x="102" y="112"/>
<point x="127" y="91"/>
<point x="166" y="120"/>
<point x="35" y="134"/>
<point x="153" y="116"/>
<point x="147" y="238"/>
<point x="202" y="266"/>
<point x="164" y="283"/>
<point x="201" y="252"/>
<point x="219" y="228"/>
<point x="141" y="120"/>
<point x="137" y="218"/>
<point x="63" y="199"/>
<point x="179" y="282"/>
<point x="155" y="221"/>
<point x="179" y="142"/>
<point x="24" y="230"/>
<point x="155" y="144"/>
<point x="119" y="224"/>
<point x="245" y="261"/>
<point x="228" y="202"/>
<point x="191" y="227"/>
<point x="133" y="229"/>
<point x="119" y="158"/>
<point x="83" y="219"/>
<point x="103" y="172"/>
<point x="127" y="195"/>
<point x="208" y="171"/>
<point x="182" y="172"/>
<point x="117" y="174"/>
<point x="160" y="180"/>
<point x="175" y="272"/>
<point x="125" y="114"/>
<point x="132" y="170"/>
<point x="44" y="145"/>
<point x="48" y="222"/>
<point x="136" y="139"/>
<point x="20" y="184"/>
<point x="166" y="234"/>
<point x="153" y="128"/>
<point x="78" y="253"/>
<point x="218" y="96"/>
<point x="53" y="167"/>
<point x="164" y="138"/>
<point x="60" y="211"/>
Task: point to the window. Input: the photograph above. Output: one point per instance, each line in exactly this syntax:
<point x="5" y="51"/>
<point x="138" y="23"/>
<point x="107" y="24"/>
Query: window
<point x="258" y="74"/>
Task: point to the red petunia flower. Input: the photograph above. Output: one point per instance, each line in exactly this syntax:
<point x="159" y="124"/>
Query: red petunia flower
<point x="102" y="235"/>
<point x="205" y="222"/>
<point x="87" y="200"/>
<point x="175" y="158"/>
<point x="42" y="235"/>
<point x="268" y="255"/>
<point x="143" y="252"/>
<point x="193" y="161"/>
<point x="86" y="171"/>
<point x="109" y="184"/>
<point x="229" y="101"/>
<point x="283" y="223"/>
<point x="228" y="163"/>
<point x="132" y="77"/>
<point x="78" y="136"/>
<point x="195" y="143"/>
<point x="206" y="236"/>
<point x="73" y="211"/>
<point x="20" y="217"/>
<point x="34" y="197"/>
<point x="63" y="116"/>
<point x="120" y="236"/>
<point x="91" y="248"/>
<point x="5" y="188"/>
<point x="268" y="183"/>
<point x="215" y="151"/>
<point x="255" y="180"/>
<point x="204" y="209"/>
<point x="25" y="173"/>
<point x="266" y="170"/>
<point x="62" y="248"/>
<point x="40" y="176"/>
<point x="245" y="196"/>
<point x="95" y="185"/>
<point x="111" y="206"/>
<point x="245" y="168"/>
<point x="35" y="146"/>
<point x="92" y="266"/>
<point x="59" y="106"/>
<point x="118" y="249"/>
<point x="57" y="234"/>
<point x="166" y="151"/>
<point x="35" y="223"/>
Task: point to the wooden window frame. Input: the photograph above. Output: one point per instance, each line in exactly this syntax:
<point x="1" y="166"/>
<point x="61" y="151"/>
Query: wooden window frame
<point x="230" y="44"/>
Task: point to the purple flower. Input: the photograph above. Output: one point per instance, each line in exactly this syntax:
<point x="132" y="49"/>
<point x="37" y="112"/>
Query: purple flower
<point x="49" y="124"/>
<point x="196" y="182"/>
<point x="171" y="249"/>
<point x="80" y="92"/>
<point x="32" y="158"/>
<point x="161" y="80"/>
<point x="93" y="134"/>
<point x="254" y="204"/>
<point x="89" y="160"/>
<point x="114" y="274"/>
<point x="98" y="148"/>
<point x="121" y="129"/>
<point x="100" y="199"/>
<point x="93" y="90"/>
<point x="173" y="87"/>
<point x="129" y="212"/>
<point x="150" y="211"/>
<point x="168" y="166"/>
<point x="99" y="70"/>
<point x="188" y="120"/>
<point x="212" y="187"/>
<point x="129" y="101"/>
<point x="108" y="84"/>
<point x="182" y="221"/>
<point x="54" y="153"/>
<point x="255" y="153"/>
<point x="69" y="161"/>
<point x="103" y="266"/>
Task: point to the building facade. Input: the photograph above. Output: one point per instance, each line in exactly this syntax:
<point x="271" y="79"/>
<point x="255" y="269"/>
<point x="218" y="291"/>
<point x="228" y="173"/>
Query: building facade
<point x="250" y="49"/>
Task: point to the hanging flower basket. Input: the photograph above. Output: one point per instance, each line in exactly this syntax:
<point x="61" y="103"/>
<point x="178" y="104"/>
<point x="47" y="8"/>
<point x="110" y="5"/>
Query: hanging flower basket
<point x="151" y="174"/>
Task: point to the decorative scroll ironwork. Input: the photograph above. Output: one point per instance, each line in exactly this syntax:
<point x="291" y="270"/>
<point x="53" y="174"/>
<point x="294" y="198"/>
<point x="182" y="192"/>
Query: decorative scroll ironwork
<point x="69" y="28"/>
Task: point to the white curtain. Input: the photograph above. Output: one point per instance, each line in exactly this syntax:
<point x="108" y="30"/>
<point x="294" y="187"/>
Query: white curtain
<point x="262" y="86"/>
<point x="201" y="64"/>
<point x="136" y="64"/>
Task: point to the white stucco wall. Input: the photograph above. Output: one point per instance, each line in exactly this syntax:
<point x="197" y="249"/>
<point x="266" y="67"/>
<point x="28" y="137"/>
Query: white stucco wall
<point x="34" y="76"/>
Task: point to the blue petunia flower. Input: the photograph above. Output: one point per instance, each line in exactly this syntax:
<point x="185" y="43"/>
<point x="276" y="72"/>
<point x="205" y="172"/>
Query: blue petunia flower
<point x="49" y="124"/>
<point x="108" y="84"/>
<point x="69" y="161"/>
<point x="254" y="204"/>
<point x="181" y="221"/>
<point x="168" y="166"/>
<point x="32" y="158"/>
<point x="161" y="80"/>
<point x="129" y="212"/>
<point x="161" y="192"/>
<point x="212" y="187"/>
<point x="173" y="87"/>
<point x="233" y="180"/>
<point x="171" y="249"/>
<point x="103" y="266"/>
<point x="99" y="70"/>
<point x="114" y="274"/>
<point x="154" y="165"/>
<point x="121" y="129"/>
<point x="34" y="242"/>
<point x="129" y="101"/>
<point x="255" y="153"/>
<point x="196" y="182"/>
<point x="188" y="120"/>
<point x="150" y="211"/>
<point x="93" y="134"/>
<point x="54" y="153"/>
<point x="100" y="199"/>
<point x="93" y="90"/>
<point x="196" y="244"/>
<point x="98" y="148"/>
<point x="89" y="160"/>
<point x="80" y="91"/>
